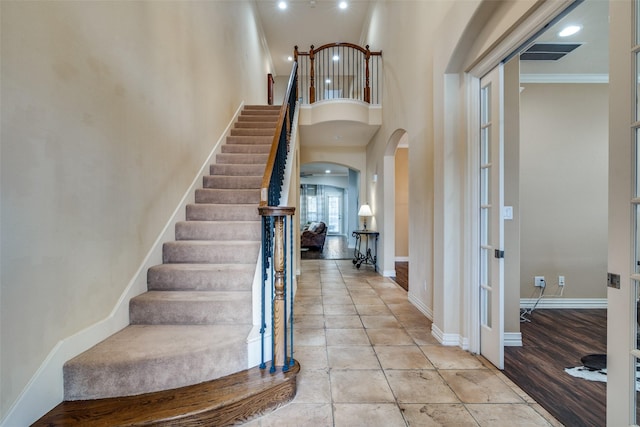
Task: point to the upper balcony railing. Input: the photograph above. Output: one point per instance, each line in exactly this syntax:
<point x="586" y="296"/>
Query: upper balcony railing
<point x="339" y="71"/>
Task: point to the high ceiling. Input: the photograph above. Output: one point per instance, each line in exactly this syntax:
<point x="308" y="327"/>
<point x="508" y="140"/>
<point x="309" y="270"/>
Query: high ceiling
<point x="318" y="22"/>
<point x="309" y="22"/>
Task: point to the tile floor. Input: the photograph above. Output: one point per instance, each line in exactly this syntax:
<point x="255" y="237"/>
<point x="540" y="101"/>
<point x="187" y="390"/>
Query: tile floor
<point x="368" y="359"/>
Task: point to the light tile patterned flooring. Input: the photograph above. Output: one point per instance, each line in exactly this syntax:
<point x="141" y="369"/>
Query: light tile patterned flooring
<point x="368" y="359"/>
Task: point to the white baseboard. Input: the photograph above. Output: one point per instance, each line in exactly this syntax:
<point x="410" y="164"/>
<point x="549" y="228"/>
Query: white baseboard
<point x="554" y="302"/>
<point x="389" y="273"/>
<point x="45" y="389"/>
<point x="420" y="306"/>
<point x="451" y="340"/>
<point x="402" y="259"/>
<point x="513" y="339"/>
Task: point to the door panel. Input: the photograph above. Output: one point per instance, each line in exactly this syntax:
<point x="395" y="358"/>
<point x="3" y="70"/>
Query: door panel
<point x="491" y="221"/>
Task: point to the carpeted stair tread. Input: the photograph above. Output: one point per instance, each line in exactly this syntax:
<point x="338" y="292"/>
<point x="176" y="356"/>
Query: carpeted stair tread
<point x="237" y="170"/>
<point x="146" y="358"/>
<point x="259" y="112"/>
<point x="262" y="118"/>
<point x="201" y="277"/>
<point x="228" y="196"/>
<point x="207" y="251"/>
<point x="190" y="308"/>
<point x="223" y="212"/>
<point x="241" y="159"/>
<point x="262" y="107"/>
<point x="219" y="230"/>
<point x="232" y="182"/>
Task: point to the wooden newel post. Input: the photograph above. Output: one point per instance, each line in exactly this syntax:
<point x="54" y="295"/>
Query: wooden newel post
<point x="279" y="352"/>
<point x="279" y="311"/>
<point x="367" y="88"/>
<point x="312" y="87"/>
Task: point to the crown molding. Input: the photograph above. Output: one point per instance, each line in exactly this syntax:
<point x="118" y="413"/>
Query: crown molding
<point x="564" y="78"/>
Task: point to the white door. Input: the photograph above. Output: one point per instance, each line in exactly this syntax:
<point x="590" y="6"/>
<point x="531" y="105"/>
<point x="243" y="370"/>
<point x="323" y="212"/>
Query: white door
<point x="491" y="221"/>
<point x="334" y="217"/>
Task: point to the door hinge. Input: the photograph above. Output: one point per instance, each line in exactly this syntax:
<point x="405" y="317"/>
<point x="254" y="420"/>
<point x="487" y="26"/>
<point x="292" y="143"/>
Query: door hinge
<point x="498" y="253"/>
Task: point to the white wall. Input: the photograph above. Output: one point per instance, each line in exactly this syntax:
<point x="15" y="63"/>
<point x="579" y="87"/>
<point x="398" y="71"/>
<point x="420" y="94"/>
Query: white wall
<point x="108" y="111"/>
<point x="563" y="187"/>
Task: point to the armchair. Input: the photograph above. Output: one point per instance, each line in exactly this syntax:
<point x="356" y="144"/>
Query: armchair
<point x="314" y="235"/>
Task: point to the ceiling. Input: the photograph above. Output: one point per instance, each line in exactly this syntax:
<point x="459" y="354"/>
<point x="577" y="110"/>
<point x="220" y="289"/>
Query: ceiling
<point x="309" y="22"/>
<point x="590" y="59"/>
<point x="318" y="22"/>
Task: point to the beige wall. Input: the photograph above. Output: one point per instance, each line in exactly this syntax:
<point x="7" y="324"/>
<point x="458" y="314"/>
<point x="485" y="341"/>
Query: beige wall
<point x="564" y="175"/>
<point x="108" y="111"/>
<point x="402" y="202"/>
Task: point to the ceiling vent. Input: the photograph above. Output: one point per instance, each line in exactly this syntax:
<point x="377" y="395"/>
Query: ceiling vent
<point x="548" y="51"/>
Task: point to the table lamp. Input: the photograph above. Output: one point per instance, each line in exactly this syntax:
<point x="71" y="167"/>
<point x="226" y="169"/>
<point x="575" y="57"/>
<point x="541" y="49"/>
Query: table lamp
<point x="365" y="211"/>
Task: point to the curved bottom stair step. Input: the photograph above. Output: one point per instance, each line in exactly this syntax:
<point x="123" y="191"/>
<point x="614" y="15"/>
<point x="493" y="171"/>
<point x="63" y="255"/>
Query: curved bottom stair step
<point x="225" y="401"/>
<point x="147" y="358"/>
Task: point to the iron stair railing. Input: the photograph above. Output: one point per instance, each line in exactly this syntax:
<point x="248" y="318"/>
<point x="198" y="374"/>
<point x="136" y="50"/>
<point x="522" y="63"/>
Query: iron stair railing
<point x="277" y="253"/>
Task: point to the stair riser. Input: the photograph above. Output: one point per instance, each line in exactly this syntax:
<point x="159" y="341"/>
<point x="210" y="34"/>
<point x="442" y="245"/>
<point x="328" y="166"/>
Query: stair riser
<point x="226" y="196"/>
<point x="256" y="125"/>
<point x="232" y="182"/>
<point x="211" y="212"/>
<point x="195" y="252"/>
<point x="246" y="148"/>
<point x="252" y="132"/>
<point x="237" y="170"/>
<point x="259" y="112"/>
<point x="190" y="312"/>
<point x="212" y="230"/>
<point x="249" y="140"/>
<point x="251" y="118"/>
<point x="241" y="159"/>
<point x="226" y="278"/>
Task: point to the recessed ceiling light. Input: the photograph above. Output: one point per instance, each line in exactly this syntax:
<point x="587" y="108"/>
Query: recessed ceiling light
<point x="343" y="5"/>
<point x="282" y="5"/>
<point x="328" y="81"/>
<point x="327" y="171"/>
<point x="569" y="31"/>
<point x="336" y="57"/>
<point x="289" y="58"/>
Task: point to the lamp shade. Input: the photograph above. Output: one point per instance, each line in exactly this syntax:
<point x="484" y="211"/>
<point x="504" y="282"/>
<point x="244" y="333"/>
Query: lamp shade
<point x="365" y="210"/>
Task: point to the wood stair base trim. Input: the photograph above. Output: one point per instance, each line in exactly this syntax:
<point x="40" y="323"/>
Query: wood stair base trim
<point x="224" y="401"/>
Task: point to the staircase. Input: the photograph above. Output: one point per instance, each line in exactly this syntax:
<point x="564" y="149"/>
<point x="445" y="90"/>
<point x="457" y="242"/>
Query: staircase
<point x="192" y="324"/>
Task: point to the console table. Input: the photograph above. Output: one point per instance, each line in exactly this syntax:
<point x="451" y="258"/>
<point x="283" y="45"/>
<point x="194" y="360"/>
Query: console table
<point x="366" y="250"/>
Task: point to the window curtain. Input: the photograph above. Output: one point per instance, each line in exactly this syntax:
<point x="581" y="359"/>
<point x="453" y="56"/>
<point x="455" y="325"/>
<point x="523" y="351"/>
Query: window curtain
<point x="312" y="204"/>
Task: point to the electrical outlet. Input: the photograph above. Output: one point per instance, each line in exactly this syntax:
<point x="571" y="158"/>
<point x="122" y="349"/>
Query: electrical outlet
<point x="539" y="281"/>
<point x="560" y="280"/>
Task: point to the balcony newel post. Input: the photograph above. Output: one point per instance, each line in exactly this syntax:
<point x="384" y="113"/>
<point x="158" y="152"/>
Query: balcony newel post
<point x="295" y="59"/>
<point x="312" y="88"/>
<point x="367" y="88"/>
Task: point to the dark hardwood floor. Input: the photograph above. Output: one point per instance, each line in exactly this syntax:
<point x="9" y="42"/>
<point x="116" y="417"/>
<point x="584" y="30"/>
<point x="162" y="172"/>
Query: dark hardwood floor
<point x="402" y="275"/>
<point x="552" y="341"/>
<point x="335" y="247"/>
